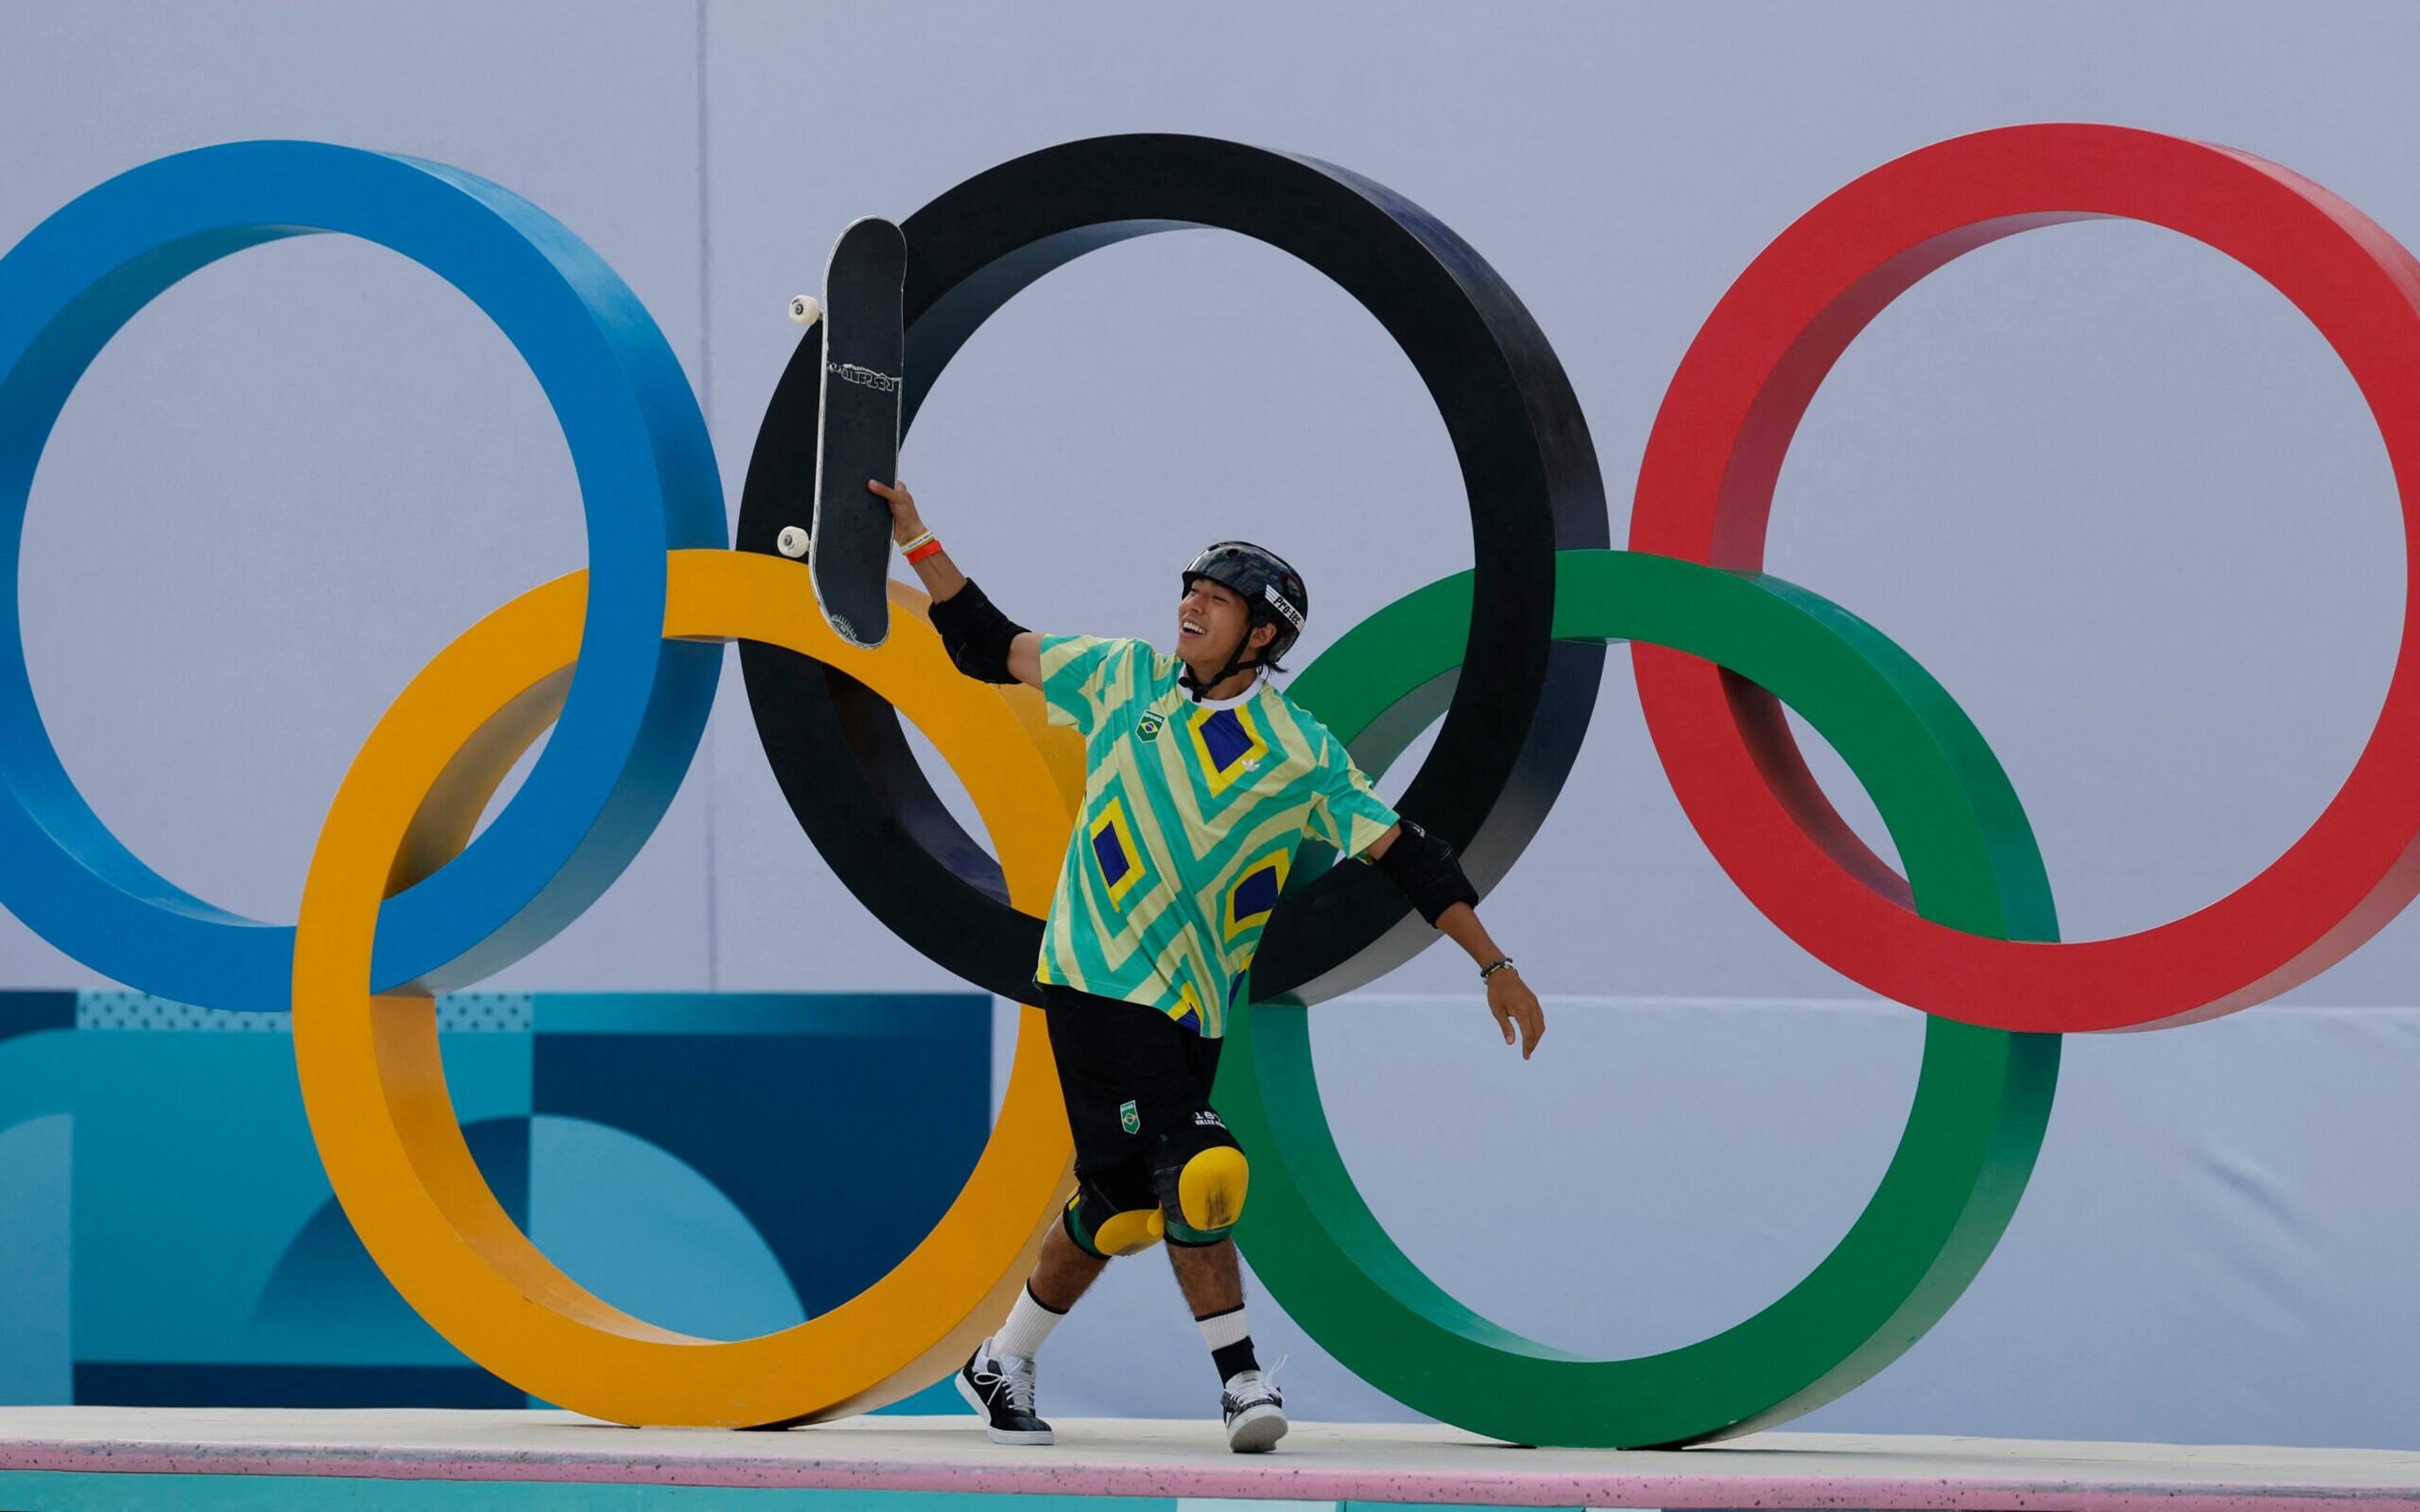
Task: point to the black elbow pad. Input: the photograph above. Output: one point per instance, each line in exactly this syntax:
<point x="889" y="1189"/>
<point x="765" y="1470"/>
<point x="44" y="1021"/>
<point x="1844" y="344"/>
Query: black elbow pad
<point x="975" y="634"/>
<point x="1424" y="868"/>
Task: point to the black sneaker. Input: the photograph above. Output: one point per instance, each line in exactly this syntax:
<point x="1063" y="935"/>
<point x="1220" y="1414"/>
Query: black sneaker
<point x="1002" y="1391"/>
<point x="1255" y="1410"/>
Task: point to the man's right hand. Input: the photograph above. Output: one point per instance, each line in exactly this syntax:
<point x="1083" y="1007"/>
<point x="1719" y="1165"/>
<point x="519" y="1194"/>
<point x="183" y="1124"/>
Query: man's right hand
<point x="933" y="569"/>
<point x="904" y="524"/>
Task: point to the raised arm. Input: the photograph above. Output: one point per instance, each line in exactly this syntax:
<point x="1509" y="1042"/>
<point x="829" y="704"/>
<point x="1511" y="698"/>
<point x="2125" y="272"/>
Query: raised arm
<point x="1429" y="874"/>
<point x="1349" y="815"/>
<point x="983" y="642"/>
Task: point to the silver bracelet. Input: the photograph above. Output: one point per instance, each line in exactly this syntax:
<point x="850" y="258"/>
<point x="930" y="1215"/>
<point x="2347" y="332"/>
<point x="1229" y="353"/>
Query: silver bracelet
<point x="1493" y="966"/>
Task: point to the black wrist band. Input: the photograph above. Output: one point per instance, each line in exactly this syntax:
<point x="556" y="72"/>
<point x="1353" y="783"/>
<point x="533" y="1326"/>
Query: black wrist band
<point x="1493" y="966"/>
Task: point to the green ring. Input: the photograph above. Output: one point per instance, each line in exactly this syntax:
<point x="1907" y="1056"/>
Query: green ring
<point x="1982" y="1098"/>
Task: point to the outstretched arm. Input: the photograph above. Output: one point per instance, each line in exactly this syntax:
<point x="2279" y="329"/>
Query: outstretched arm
<point x="1019" y="650"/>
<point x="1424" y="867"/>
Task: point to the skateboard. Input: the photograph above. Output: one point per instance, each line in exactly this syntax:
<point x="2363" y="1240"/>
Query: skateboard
<point x="857" y="429"/>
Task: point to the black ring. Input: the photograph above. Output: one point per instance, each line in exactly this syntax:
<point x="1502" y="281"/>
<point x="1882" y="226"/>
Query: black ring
<point x="1513" y="720"/>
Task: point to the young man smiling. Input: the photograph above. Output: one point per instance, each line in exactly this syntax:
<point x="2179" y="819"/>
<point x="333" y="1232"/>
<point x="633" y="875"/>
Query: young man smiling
<point x="1200" y="778"/>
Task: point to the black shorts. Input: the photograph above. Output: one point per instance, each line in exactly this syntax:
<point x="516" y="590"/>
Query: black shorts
<point x="1137" y="1090"/>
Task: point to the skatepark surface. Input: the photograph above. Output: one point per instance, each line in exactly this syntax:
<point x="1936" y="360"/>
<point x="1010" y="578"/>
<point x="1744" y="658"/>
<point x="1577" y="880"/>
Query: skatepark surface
<point x="66" y="1457"/>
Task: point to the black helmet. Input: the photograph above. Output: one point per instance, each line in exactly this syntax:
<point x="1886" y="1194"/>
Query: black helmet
<point x="1272" y="592"/>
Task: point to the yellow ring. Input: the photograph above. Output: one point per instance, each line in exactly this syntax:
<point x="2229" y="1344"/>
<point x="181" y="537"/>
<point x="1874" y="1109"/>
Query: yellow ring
<point x="376" y="1091"/>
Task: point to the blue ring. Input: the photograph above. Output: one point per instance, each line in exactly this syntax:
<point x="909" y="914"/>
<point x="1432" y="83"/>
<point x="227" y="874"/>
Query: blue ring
<point x="637" y="704"/>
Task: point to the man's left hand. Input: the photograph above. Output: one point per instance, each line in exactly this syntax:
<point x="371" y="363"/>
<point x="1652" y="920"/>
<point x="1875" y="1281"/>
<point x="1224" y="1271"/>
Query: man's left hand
<point x="1514" y="1004"/>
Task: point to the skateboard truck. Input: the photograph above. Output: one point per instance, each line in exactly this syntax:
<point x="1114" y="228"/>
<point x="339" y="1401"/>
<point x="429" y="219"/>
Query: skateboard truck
<point x="793" y="542"/>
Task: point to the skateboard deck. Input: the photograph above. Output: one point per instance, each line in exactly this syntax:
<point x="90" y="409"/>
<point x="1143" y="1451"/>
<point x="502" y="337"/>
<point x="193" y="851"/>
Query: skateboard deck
<point x="857" y="429"/>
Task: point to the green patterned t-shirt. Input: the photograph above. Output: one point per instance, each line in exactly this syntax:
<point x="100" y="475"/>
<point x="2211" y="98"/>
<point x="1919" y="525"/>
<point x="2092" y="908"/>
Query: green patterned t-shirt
<point x="1191" y="815"/>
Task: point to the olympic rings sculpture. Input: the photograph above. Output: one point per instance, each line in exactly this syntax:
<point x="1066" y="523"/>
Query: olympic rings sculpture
<point x="621" y="660"/>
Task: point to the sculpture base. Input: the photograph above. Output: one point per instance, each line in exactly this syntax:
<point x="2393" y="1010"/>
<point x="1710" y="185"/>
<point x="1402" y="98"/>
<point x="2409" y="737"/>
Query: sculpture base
<point x="74" y="1459"/>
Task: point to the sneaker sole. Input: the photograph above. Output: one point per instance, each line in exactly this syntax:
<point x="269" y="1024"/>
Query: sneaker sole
<point x="1039" y="1438"/>
<point x="1256" y="1430"/>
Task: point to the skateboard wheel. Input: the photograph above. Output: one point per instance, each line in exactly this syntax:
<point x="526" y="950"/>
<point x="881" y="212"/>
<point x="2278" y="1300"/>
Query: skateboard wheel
<point x="804" y="311"/>
<point x="791" y="543"/>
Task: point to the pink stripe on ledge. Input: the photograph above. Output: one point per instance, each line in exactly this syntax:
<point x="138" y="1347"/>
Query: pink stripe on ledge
<point x="1375" y="1462"/>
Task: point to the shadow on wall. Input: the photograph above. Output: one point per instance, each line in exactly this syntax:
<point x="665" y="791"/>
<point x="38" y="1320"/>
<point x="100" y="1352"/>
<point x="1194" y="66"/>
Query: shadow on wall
<point x="720" y="1163"/>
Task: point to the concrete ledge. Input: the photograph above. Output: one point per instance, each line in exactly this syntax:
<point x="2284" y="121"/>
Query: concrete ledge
<point x="1320" y="1462"/>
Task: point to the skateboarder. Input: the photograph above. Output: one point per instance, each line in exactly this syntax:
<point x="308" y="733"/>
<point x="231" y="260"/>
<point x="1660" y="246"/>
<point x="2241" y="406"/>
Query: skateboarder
<point x="1200" y="778"/>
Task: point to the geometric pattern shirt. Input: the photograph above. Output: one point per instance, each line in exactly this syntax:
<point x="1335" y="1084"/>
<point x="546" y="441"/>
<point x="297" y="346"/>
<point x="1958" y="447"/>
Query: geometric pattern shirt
<point x="1191" y="815"/>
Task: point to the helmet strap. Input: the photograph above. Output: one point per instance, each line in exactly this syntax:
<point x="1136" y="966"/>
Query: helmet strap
<point x="1235" y="663"/>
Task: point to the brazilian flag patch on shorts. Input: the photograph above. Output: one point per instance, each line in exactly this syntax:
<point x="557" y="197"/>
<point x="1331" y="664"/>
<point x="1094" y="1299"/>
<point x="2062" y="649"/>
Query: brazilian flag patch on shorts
<point x="1128" y="1118"/>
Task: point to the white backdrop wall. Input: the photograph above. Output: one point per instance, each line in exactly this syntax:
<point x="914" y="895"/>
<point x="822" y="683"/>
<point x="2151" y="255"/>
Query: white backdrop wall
<point x="2104" y="483"/>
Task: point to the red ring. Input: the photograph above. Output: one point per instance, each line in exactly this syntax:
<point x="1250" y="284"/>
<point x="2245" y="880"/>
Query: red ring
<point x="1705" y="490"/>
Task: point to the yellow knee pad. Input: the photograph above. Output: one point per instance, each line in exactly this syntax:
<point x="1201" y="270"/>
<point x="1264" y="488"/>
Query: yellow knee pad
<point x="1209" y="1196"/>
<point x="1121" y="1233"/>
<point x="1130" y="1233"/>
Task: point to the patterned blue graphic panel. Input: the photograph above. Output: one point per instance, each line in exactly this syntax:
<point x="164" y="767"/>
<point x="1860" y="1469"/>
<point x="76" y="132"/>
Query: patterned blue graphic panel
<point x="698" y="1159"/>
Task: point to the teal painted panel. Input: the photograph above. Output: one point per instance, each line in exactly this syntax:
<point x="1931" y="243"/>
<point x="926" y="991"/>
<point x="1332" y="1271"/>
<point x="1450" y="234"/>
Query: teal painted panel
<point x="642" y="1229"/>
<point x="825" y="1015"/>
<point x="674" y="1146"/>
<point x="36" y="1366"/>
<point x="39" y="1072"/>
<point x="59" y="1491"/>
<point x="203" y="1136"/>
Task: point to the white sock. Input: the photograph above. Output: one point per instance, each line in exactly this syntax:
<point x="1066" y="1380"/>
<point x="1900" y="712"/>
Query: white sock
<point x="1220" y="1330"/>
<point x="1029" y="1324"/>
<point x="1230" y="1338"/>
